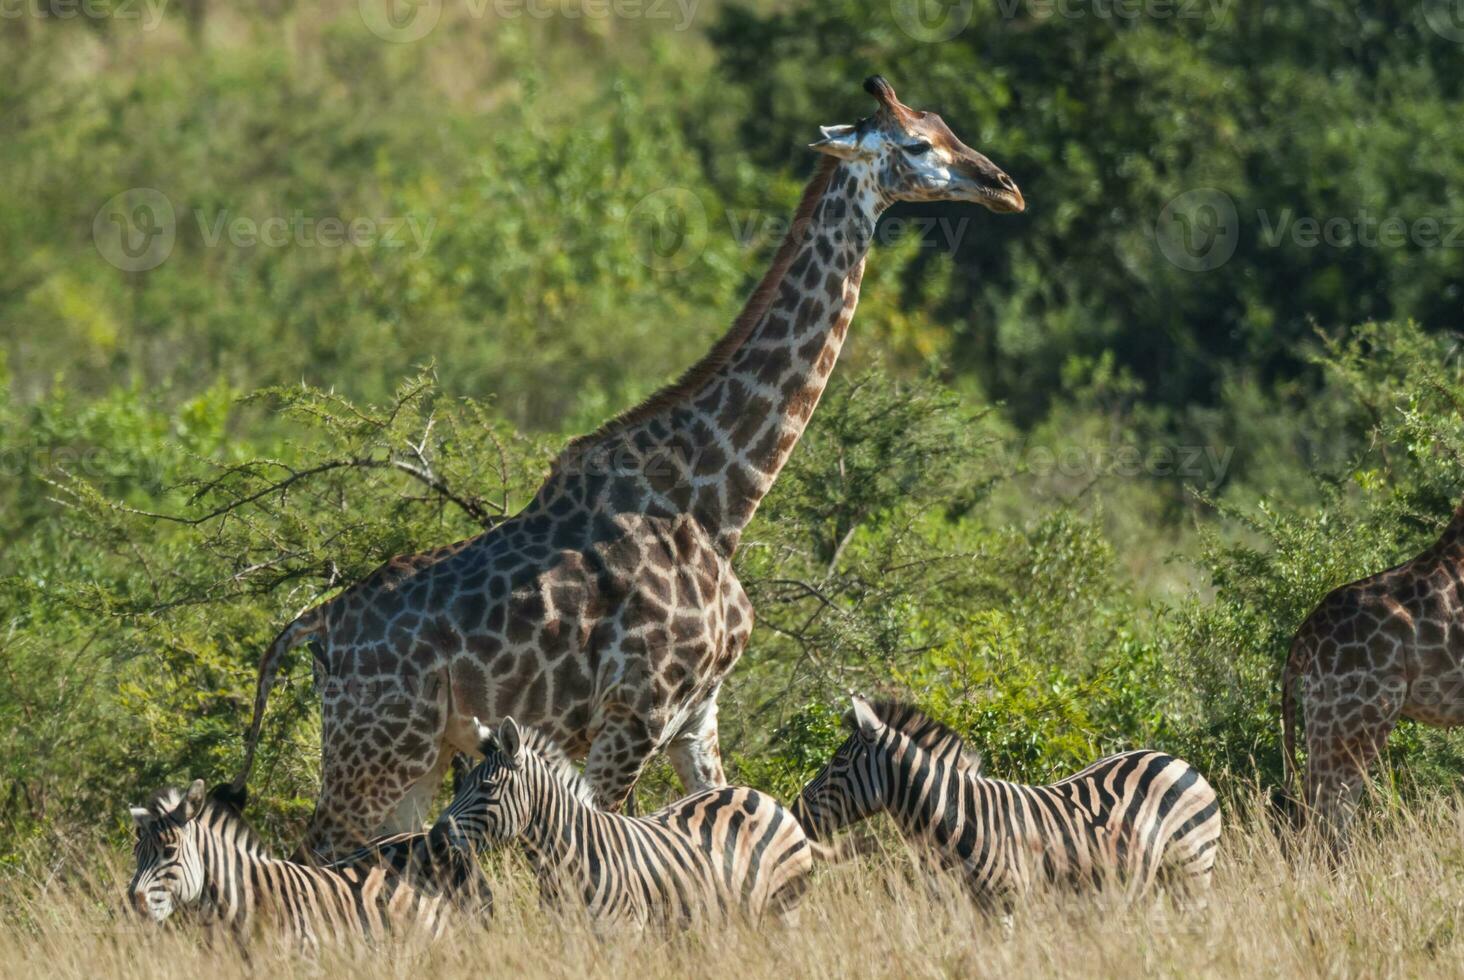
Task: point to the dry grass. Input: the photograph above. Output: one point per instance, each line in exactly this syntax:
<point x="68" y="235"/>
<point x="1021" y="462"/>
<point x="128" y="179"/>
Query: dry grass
<point x="1394" y="909"/>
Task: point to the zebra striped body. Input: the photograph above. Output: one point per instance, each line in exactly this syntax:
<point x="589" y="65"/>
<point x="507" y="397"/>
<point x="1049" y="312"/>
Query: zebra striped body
<point x="731" y="851"/>
<point x="1126" y="820"/>
<point x="196" y="852"/>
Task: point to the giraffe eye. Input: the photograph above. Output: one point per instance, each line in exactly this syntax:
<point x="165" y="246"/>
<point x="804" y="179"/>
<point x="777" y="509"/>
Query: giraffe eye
<point x="917" y="148"/>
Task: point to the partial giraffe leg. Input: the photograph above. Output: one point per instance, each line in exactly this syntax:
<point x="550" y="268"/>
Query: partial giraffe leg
<point x="1341" y="749"/>
<point x="618" y="753"/>
<point x="694" y="751"/>
<point x="382" y="759"/>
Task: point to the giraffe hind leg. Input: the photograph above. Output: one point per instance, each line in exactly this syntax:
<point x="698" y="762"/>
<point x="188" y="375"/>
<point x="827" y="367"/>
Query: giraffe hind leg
<point x="383" y="759"/>
<point x="1338" y="769"/>
<point x="618" y="754"/>
<point x="694" y="751"/>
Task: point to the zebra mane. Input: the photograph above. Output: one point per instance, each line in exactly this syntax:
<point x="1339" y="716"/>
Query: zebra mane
<point x="935" y="737"/>
<point x="222" y="804"/>
<point x="555" y="759"/>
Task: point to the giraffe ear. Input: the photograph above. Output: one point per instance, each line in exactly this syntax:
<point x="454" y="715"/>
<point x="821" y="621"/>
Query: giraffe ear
<point x="839" y="141"/>
<point x="866" y="722"/>
<point x="510" y="740"/>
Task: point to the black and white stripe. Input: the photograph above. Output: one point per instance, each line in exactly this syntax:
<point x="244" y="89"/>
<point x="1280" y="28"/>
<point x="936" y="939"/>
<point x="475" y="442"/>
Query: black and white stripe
<point x="731" y="851"/>
<point x="1127" y="820"/>
<point x="196" y="852"/>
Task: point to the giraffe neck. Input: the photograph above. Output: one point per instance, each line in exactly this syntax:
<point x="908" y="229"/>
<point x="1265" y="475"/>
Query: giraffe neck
<point x="712" y="444"/>
<point x="1454" y="533"/>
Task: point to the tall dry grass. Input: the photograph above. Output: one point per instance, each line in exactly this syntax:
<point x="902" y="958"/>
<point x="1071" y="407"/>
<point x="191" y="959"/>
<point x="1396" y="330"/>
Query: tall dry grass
<point x="1393" y="909"/>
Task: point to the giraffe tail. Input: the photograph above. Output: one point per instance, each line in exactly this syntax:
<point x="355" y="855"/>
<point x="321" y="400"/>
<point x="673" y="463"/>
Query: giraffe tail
<point x="1290" y="675"/>
<point x="308" y="626"/>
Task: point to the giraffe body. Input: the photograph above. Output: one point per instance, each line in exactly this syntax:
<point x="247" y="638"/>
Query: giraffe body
<point x="1374" y="651"/>
<point x="607" y="612"/>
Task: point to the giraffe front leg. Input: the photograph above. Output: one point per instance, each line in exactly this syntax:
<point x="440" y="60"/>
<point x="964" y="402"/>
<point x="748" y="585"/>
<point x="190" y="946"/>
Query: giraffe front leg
<point x="694" y="751"/>
<point x="618" y="753"/>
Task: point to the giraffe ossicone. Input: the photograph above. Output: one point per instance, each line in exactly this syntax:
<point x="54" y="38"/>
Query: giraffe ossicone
<point x="607" y="613"/>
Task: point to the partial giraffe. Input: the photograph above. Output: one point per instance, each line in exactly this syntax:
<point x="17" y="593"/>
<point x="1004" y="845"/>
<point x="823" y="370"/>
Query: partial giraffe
<point x="607" y="612"/>
<point x="1386" y="647"/>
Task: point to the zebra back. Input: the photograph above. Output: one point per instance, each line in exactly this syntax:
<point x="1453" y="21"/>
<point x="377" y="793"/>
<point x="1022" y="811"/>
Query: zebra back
<point x="198" y="852"/>
<point x="713" y="854"/>
<point x="1131" y="817"/>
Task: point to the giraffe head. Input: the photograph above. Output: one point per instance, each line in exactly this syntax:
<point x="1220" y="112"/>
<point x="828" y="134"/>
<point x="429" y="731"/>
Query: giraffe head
<point x="909" y="155"/>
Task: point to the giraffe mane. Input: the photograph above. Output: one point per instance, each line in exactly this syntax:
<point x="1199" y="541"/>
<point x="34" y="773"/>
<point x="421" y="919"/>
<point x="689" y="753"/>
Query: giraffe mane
<point x="933" y="736"/>
<point x="730" y="342"/>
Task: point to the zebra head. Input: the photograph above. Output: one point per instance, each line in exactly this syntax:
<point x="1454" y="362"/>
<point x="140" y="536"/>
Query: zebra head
<point x="851" y="786"/>
<point x="169" y="860"/>
<point x="491" y="805"/>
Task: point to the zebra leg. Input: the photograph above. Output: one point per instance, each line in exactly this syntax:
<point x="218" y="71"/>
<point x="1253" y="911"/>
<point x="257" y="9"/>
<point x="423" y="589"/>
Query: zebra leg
<point x="618" y="753"/>
<point x="694" y="751"/>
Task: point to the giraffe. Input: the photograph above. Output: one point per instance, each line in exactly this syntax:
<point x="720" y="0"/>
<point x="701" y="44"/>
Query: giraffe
<point x="1385" y="647"/>
<point x="607" y="612"/>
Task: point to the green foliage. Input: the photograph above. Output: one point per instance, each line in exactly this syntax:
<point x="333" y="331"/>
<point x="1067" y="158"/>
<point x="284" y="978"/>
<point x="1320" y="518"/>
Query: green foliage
<point x="1385" y="506"/>
<point x="1306" y="110"/>
<point x="190" y="454"/>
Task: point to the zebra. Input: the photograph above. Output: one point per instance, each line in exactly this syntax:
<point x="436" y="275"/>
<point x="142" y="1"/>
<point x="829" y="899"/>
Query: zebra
<point x="195" y="851"/>
<point x="709" y="856"/>
<point x="1129" y="819"/>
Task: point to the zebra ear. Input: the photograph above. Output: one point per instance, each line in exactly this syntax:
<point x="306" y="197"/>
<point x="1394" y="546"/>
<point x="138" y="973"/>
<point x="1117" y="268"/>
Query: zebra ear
<point x="140" y="814"/>
<point x="866" y="722"/>
<point x="510" y="740"/>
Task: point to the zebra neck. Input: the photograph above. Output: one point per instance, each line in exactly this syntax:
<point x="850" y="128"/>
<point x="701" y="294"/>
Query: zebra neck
<point x="554" y="835"/>
<point x="923" y="792"/>
<point x="225" y="857"/>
